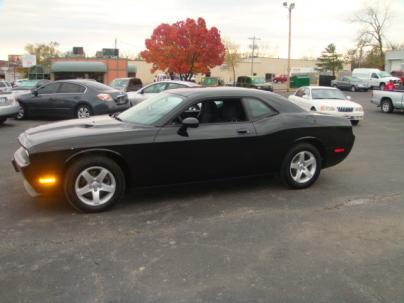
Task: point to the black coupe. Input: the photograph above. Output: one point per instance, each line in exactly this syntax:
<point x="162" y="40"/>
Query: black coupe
<point x="72" y="99"/>
<point x="182" y="135"/>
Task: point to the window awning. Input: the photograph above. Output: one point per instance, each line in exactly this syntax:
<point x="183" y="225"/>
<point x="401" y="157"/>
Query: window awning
<point x="78" y="66"/>
<point x="132" y="68"/>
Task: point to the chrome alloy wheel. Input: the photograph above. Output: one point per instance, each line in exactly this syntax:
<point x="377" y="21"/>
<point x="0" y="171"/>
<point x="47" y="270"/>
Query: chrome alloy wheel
<point x="95" y="186"/>
<point x="83" y="112"/>
<point x="303" y="167"/>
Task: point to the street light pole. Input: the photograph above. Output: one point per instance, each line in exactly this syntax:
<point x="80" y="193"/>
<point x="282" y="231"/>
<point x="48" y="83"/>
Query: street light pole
<point x="289" y="8"/>
<point x="252" y="54"/>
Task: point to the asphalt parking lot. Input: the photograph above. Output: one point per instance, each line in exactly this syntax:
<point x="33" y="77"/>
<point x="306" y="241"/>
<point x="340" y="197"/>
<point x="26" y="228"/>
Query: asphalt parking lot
<point x="242" y="241"/>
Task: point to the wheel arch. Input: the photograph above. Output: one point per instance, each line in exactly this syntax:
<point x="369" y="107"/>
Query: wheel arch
<point x="316" y="143"/>
<point x="113" y="155"/>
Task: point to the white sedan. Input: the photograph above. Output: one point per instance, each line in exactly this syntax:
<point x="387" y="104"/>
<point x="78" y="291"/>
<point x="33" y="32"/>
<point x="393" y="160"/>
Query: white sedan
<point x="328" y="100"/>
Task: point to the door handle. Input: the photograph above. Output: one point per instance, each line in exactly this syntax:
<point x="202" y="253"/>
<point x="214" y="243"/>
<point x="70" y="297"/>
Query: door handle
<point x="242" y="131"/>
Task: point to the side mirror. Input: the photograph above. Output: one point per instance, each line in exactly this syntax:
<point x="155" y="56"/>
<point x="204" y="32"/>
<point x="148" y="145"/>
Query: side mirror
<point x="189" y="122"/>
<point x="35" y="92"/>
<point x="348" y="97"/>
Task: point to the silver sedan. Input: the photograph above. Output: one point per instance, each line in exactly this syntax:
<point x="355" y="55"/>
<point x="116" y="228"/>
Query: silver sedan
<point x="155" y="88"/>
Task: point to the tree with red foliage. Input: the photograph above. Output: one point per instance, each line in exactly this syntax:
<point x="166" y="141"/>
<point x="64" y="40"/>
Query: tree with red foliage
<point x="185" y="47"/>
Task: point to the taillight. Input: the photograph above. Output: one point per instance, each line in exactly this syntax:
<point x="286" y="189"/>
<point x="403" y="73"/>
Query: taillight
<point x="339" y="150"/>
<point x="105" y="97"/>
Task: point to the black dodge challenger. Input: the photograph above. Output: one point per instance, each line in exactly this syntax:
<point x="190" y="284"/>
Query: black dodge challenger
<point x="180" y="136"/>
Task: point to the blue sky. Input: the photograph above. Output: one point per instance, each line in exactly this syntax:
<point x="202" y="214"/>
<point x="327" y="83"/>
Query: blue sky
<point x="95" y="24"/>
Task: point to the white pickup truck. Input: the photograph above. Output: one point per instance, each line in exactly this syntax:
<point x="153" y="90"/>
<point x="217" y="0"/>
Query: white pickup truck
<point x="388" y="101"/>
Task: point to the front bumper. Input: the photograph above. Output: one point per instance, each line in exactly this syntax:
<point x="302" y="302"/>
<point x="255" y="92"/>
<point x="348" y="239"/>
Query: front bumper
<point x="20" y="162"/>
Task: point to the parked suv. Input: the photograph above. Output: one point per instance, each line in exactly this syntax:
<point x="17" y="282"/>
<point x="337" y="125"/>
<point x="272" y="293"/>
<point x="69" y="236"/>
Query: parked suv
<point x="72" y="99"/>
<point x="127" y="84"/>
<point x="254" y="82"/>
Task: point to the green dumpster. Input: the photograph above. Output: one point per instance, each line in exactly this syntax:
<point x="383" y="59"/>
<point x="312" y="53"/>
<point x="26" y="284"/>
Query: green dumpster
<point x="299" y="81"/>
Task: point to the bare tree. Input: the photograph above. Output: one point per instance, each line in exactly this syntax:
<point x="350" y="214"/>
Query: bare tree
<point x="232" y="57"/>
<point x="374" y="20"/>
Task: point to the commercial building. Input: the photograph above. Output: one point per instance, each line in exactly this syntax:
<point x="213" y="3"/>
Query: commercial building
<point x="394" y="61"/>
<point x="103" y="70"/>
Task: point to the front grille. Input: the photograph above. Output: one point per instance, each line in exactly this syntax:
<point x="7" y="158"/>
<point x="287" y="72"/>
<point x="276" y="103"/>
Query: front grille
<point x="345" y="109"/>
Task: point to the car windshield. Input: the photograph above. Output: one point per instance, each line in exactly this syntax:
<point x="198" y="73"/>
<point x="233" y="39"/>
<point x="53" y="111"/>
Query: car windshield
<point x="319" y="93"/>
<point x="257" y="80"/>
<point x="151" y="110"/>
<point x="119" y="83"/>
<point x="384" y="74"/>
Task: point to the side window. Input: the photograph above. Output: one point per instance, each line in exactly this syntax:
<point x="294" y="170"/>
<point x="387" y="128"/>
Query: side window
<point x="49" y="88"/>
<point x="217" y="111"/>
<point x="306" y="92"/>
<point x="70" y="88"/>
<point x="155" y="88"/>
<point x="257" y="109"/>
<point x="374" y="76"/>
<point x="299" y="93"/>
<point x="174" y="86"/>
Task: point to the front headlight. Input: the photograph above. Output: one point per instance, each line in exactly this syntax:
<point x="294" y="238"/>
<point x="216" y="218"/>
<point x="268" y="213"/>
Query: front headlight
<point x="327" y="108"/>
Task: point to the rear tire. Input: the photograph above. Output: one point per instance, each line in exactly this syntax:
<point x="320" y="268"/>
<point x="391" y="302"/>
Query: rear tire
<point x="386" y="106"/>
<point x="301" y="166"/>
<point x="83" y="111"/>
<point x="94" y="184"/>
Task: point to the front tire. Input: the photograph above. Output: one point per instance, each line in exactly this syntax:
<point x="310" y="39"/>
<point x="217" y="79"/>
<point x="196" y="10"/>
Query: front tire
<point x="21" y="115"/>
<point x="94" y="184"/>
<point x="301" y="166"/>
<point x="386" y="106"/>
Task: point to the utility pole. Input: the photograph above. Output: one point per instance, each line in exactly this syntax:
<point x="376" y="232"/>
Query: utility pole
<point x="252" y="53"/>
<point x="289" y="8"/>
<point x="117" y="58"/>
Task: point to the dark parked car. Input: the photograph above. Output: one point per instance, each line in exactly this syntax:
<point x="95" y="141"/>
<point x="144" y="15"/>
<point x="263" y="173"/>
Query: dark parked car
<point x="182" y="135"/>
<point x="350" y="83"/>
<point x="72" y="99"/>
<point x="254" y="82"/>
<point x="127" y="84"/>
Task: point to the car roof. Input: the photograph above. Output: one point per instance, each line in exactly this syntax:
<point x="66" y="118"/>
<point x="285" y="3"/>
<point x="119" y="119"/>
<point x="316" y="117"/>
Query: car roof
<point x="187" y="83"/>
<point x="322" y="87"/>
<point x="277" y="101"/>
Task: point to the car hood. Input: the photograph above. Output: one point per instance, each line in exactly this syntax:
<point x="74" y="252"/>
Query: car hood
<point x="79" y="133"/>
<point x="337" y="103"/>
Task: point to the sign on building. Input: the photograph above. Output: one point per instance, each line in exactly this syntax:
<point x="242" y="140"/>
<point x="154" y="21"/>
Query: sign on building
<point x="28" y="61"/>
